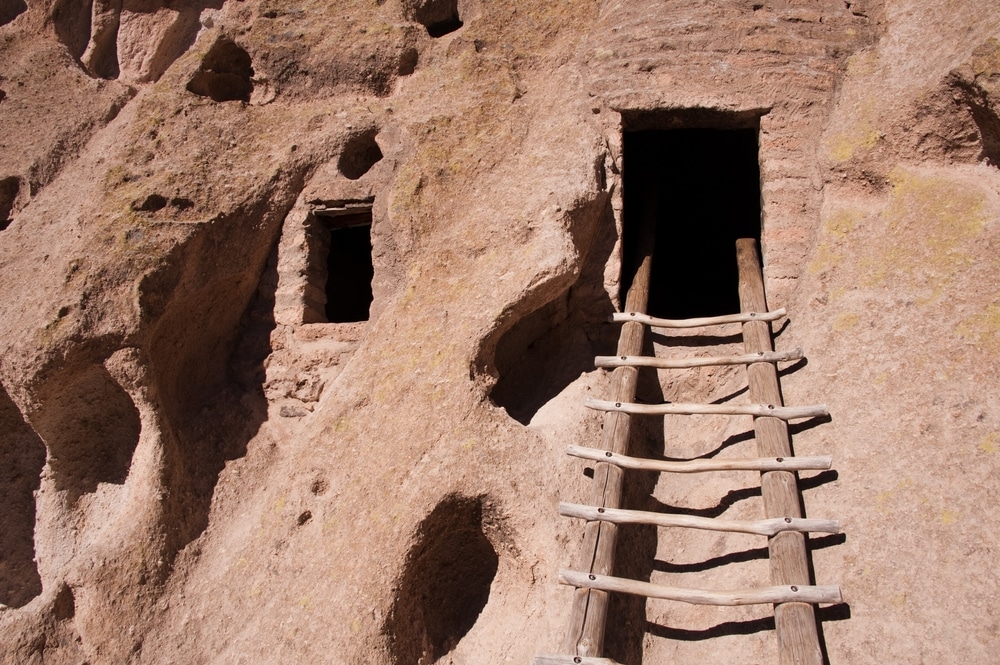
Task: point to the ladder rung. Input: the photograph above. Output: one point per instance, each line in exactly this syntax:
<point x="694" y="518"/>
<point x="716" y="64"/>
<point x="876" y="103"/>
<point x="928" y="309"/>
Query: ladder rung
<point x="817" y="463"/>
<point x="782" y="412"/>
<point x="572" y="660"/>
<point x="743" y="317"/>
<point x="767" y="527"/>
<point x="684" y="363"/>
<point x="765" y="596"/>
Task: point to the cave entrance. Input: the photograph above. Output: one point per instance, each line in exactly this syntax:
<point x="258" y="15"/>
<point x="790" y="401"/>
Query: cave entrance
<point x="707" y="178"/>
<point x="341" y="264"/>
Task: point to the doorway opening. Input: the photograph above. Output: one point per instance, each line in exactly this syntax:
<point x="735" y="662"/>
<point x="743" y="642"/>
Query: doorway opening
<point x="705" y="174"/>
<point x="340" y="265"/>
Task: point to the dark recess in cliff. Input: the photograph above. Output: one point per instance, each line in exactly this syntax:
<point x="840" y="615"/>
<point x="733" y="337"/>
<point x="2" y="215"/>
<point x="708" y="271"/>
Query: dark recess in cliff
<point x="445" y="584"/>
<point x="225" y="75"/>
<point x="22" y="456"/>
<point x="11" y="9"/>
<point x="440" y="17"/>
<point x="708" y="181"/>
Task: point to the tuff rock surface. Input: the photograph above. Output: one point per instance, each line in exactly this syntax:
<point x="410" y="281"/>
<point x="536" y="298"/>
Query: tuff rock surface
<point x="194" y="468"/>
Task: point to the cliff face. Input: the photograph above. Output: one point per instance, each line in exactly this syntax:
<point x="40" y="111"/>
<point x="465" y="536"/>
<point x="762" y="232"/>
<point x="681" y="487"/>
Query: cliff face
<point x="196" y="465"/>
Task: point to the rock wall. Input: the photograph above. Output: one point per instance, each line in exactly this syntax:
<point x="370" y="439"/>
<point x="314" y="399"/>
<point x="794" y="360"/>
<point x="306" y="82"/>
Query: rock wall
<point x="195" y="466"/>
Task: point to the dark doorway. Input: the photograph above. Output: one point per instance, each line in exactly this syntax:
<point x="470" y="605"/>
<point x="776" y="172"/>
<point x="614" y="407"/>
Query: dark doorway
<point x="708" y="187"/>
<point x="349" y="269"/>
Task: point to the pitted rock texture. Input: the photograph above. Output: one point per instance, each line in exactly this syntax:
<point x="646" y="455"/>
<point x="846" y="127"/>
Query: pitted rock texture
<point x="196" y="466"/>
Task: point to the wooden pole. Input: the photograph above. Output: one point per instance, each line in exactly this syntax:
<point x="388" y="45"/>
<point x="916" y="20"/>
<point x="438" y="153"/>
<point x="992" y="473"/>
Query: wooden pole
<point x="818" y="463"/>
<point x="588" y="617"/>
<point x="678" y="408"/>
<point x="768" y="527"/>
<point x="795" y="622"/>
<point x="632" y="315"/>
<point x="572" y="660"/>
<point x="685" y="363"/>
<point x="765" y="596"/>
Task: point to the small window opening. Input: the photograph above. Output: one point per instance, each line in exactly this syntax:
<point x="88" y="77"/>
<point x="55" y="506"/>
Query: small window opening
<point x="11" y="9"/>
<point x="9" y="189"/>
<point x="340" y="265"/>
<point x="440" y="17"/>
<point x="360" y="154"/>
<point x="707" y="183"/>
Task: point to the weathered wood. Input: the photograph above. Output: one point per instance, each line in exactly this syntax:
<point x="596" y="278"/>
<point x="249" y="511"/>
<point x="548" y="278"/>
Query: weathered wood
<point x="685" y="363"/>
<point x="767" y="527"/>
<point x="768" y="595"/>
<point x="588" y="618"/>
<point x="572" y="660"/>
<point x="635" y="315"/>
<point x="345" y="209"/>
<point x="582" y="602"/>
<point x="795" y="621"/>
<point x="773" y="410"/>
<point x="816" y="463"/>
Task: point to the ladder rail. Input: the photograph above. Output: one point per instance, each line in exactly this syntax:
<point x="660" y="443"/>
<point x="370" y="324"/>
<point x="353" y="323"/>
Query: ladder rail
<point x="588" y="617"/>
<point x="795" y="622"/>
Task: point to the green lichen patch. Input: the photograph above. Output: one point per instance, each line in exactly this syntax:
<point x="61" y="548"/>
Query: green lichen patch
<point x="837" y="232"/>
<point x="982" y="329"/>
<point x="930" y="227"/>
<point x="860" y="135"/>
<point x="841" y="223"/>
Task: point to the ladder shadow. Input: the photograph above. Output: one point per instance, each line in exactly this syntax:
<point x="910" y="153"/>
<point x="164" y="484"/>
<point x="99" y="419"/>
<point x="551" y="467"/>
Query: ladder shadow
<point x="728" y="442"/>
<point x="754" y="554"/>
<point x="733" y="497"/>
<point x="726" y="628"/>
<point x="791" y="369"/>
<point x="671" y="341"/>
<point x="743" y="556"/>
<point x="804" y="425"/>
<point x="689" y="341"/>
<point x="839" y="612"/>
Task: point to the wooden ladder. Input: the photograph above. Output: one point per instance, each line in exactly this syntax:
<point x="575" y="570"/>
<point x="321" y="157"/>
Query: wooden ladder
<point x="791" y="593"/>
